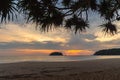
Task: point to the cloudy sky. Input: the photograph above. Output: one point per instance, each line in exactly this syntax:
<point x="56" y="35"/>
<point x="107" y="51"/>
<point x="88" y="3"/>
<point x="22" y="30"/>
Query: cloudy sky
<point x="24" y="39"/>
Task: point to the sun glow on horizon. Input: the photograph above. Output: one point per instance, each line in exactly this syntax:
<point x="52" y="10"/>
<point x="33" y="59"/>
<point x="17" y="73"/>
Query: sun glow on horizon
<point x="78" y="52"/>
<point x="47" y="51"/>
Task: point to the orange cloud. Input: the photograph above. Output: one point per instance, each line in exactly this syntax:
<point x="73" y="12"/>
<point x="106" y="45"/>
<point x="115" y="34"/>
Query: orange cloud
<point x="33" y="51"/>
<point x="15" y="32"/>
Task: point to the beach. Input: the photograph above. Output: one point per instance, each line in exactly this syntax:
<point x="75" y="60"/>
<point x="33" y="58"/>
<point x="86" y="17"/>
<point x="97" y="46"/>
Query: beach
<point x="101" y="69"/>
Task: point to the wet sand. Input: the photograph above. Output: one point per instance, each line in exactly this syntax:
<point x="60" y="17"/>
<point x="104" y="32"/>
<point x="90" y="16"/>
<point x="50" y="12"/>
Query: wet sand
<point x="104" y="69"/>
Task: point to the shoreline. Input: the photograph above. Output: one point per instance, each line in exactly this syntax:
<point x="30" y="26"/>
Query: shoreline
<point x="73" y="70"/>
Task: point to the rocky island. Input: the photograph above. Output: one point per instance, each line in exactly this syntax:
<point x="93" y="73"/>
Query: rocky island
<point x="56" y="54"/>
<point x="115" y="51"/>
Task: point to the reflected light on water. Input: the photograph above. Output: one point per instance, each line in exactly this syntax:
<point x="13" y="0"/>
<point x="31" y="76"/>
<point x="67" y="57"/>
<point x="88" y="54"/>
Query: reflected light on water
<point x="12" y="59"/>
<point x="108" y="57"/>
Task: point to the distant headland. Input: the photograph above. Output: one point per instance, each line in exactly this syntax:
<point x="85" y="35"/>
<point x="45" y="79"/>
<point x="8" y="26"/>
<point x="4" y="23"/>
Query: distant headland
<point x="56" y="54"/>
<point x="115" y="51"/>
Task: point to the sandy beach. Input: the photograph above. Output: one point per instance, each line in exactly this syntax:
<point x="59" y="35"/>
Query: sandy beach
<point x="104" y="69"/>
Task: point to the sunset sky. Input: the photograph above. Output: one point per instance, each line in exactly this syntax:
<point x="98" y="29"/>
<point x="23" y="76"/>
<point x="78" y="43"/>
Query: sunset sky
<point x="23" y="39"/>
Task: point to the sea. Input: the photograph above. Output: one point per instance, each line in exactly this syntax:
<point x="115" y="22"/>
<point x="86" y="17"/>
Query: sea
<point x="14" y="59"/>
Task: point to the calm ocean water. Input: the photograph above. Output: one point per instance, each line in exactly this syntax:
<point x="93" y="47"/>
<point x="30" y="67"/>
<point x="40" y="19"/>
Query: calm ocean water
<point x="12" y="59"/>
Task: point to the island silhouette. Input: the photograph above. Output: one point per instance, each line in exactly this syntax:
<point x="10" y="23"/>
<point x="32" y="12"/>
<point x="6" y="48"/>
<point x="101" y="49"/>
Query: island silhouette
<point x="114" y="51"/>
<point x="56" y="54"/>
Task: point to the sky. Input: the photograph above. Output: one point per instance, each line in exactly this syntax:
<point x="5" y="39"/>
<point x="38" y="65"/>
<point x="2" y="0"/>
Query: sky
<point x="24" y="39"/>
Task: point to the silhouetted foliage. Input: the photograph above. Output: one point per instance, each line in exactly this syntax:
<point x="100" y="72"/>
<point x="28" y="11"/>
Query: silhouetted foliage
<point x="56" y="54"/>
<point x="71" y="14"/>
<point x="108" y="52"/>
<point x="109" y="28"/>
<point x="7" y="10"/>
<point x="76" y="24"/>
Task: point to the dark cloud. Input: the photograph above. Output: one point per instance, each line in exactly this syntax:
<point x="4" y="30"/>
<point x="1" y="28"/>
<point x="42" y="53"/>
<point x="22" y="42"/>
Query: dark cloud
<point x="87" y="36"/>
<point x="31" y="45"/>
<point x="79" y="42"/>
